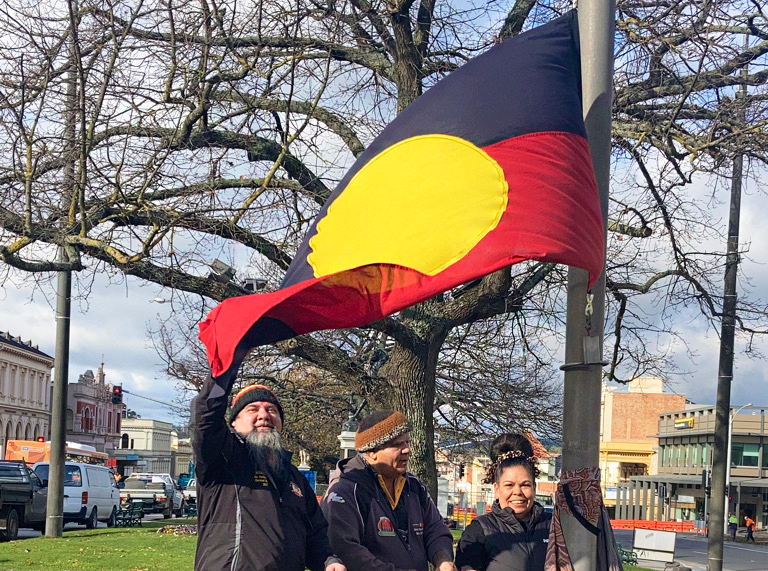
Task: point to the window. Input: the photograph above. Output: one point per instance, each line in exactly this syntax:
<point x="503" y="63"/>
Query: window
<point x="694" y="455"/>
<point x="704" y="454"/>
<point x="743" y="454"/>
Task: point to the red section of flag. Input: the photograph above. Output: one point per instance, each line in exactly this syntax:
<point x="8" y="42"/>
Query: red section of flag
<point x="552" y="215"/>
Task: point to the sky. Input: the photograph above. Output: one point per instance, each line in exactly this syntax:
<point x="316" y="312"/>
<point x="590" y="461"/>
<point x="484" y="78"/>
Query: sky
<point x="750" y="376"/>
<point x="112" y="327"/>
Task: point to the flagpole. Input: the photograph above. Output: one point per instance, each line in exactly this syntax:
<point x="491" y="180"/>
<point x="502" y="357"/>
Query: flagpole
<point x="584" y="333"/>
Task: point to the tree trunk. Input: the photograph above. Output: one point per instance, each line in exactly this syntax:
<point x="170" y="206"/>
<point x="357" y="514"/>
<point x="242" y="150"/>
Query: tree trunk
<point x="411" y="373"/>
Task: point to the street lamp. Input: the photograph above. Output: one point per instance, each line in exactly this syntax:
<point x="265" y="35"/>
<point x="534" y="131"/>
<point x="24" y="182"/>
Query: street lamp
<point x="728" y="463"/>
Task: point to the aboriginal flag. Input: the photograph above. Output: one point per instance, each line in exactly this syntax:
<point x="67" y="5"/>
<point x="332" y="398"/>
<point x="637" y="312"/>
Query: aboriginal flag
<point x="488" y="168"/>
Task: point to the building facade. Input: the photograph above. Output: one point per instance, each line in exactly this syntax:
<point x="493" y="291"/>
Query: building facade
<point x="146" y="446"/>
<point x="628" y="427"/>
<point x="25" y="391"/>
<point x="686" y="438"/>
<point x="92" y="418"/>
<point x="464" y="471"/>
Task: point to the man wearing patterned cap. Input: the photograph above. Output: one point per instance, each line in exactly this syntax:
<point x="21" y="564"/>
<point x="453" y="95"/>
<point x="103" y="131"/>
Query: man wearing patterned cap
<point x="256" y="511"/>
<point x="380" y="517"/>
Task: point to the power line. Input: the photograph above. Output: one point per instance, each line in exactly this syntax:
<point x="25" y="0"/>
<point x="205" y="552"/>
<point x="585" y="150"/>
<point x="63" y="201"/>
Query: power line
<point x="169" y="405"/>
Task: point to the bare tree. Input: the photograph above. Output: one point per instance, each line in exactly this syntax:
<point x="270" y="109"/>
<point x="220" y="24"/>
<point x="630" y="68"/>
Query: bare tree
<point x="213" y="129"/>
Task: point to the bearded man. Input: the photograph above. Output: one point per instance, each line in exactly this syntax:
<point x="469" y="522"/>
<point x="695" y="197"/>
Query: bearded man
<point x="256" y="511"/>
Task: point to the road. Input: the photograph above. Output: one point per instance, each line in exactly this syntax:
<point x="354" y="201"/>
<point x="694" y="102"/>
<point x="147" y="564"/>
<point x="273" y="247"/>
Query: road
<point x="691" y="550"/>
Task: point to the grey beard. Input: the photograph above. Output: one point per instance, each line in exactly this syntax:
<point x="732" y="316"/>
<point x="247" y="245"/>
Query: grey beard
<point x="266" y="452"/>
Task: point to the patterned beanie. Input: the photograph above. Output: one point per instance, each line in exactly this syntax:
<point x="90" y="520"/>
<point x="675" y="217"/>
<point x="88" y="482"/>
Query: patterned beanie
<point x="378" y="428"/>
<point x="253" y="393"/>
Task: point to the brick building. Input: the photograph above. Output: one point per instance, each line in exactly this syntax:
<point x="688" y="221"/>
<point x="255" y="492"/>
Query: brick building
<point x="91" y="417"/>
<point x="629" y="423"/>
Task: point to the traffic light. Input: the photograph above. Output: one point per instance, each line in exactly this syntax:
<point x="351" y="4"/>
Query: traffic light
<point x="117" y="394"/>
<point x="461" y="470"/>
<point x="706" y="482"/>
<point x="41" y="438"/>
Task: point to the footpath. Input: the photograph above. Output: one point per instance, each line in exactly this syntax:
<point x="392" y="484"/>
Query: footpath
<point x="761" y="538"/>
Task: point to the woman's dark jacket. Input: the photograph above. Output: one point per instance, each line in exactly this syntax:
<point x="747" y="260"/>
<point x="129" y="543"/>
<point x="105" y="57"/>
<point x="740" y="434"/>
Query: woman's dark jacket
<point x="498" y="542"/>
<point x="246" y="520"/>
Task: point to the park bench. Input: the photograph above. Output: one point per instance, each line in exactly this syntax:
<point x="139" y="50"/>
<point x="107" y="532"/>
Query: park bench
<point x="130" y="515"/>
<point x="627" y="556"/>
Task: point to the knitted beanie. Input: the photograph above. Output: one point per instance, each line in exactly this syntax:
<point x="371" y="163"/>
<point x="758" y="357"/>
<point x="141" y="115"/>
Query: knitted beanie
<point x="253" y="393"/>
<point x="379" y="428"/>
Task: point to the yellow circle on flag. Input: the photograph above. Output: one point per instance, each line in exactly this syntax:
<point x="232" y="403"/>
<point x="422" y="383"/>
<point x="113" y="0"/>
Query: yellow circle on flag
<point x="422" y="203"/>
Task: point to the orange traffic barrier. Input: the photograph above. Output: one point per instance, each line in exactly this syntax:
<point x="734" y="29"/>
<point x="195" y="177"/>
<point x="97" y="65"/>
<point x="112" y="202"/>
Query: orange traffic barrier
<point x="678" y="526"/>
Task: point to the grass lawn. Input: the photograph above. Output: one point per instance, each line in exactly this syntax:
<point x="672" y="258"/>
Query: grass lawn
<point x="116" y="549"/>
<point x="105" y="549"/>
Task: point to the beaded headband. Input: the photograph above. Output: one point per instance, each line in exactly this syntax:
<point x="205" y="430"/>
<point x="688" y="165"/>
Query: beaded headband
<point x="490" y="475"/>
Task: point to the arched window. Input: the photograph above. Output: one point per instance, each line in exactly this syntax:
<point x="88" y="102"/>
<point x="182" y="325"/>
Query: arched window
<point x="28" y="433"/>
<point x="18" y="431"/>
<point x="124" y="441"/>
<point x="87" y="422"/>
<point x="70" y="420"/>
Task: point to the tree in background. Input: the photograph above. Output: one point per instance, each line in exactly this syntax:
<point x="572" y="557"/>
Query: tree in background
<point x="210" y="129"/>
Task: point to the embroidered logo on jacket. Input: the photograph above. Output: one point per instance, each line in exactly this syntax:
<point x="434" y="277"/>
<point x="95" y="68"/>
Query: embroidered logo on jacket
<point x="418" y="528"/>
<point x="334" y="497"/>
<point x="296" y="490"/>
<point x="386" y="529"/>
<point x="261" y="480"/>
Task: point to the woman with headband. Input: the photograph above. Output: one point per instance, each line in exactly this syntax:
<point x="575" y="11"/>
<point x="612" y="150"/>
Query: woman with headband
<point x="514" y="535"/>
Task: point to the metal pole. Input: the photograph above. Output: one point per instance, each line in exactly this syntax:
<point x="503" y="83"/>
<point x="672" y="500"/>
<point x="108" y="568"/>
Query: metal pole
<point x="728" y="463"/>
<point x="727" y="486"/>
<point x="582" y="385"/>
<point x="54" y="520"/>
<point x="721" y="450"/>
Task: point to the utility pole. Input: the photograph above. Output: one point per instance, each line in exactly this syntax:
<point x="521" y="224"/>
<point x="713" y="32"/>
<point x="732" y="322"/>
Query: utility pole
<point x="721" y="447"/>
<point x="54" y="520"/>
<point x="584" y="332"/>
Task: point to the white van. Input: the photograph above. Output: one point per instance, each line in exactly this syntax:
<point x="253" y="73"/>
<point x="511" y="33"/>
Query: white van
<point x="90" y="493"/>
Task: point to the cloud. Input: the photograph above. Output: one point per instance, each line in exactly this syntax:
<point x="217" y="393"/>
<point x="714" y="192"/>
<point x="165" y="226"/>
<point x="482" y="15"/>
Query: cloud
<point x="109" y="327"/>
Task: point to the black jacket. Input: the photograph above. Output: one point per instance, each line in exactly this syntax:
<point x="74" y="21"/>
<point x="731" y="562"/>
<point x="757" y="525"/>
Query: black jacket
<point x="498" y="542"/>
<point x="362" y="522"/>
<point x="247" y="522"/>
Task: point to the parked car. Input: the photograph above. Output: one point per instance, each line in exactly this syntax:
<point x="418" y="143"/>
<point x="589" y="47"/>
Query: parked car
<point x="159" y="492"/>
<point x="190" y="492"/>
<point x="23" y="499"/>
<point x="90" y="493"/>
